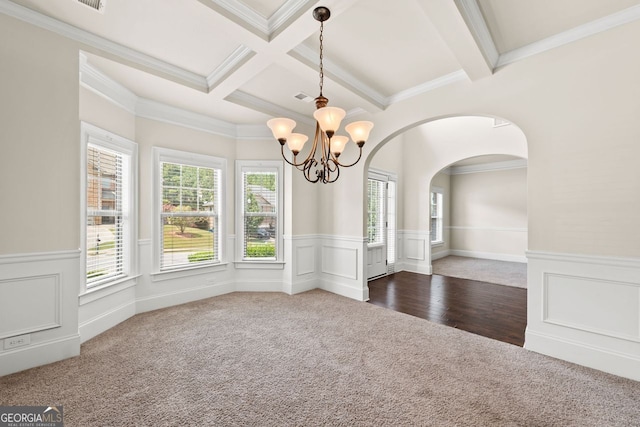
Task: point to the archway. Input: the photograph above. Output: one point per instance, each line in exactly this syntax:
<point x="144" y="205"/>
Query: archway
<point x="416" y="154"/>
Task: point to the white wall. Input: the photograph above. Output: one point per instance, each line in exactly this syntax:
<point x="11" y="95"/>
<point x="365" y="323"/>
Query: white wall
<point x="577" y="105"/>
<point x="489" y="214"/>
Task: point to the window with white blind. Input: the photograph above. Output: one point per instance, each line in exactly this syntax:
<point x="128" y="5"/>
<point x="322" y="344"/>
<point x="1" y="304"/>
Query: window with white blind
<point x="189" y="206"/>
<point x="259" y="208"/>
<point x="391" y="226"/>
<point x="108" y="196"/>
<point x="436" y="216"/>
<point x="376" y="211"/>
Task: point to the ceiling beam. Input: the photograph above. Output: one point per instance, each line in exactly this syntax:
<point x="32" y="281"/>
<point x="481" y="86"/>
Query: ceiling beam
<point x="448" y="18"/>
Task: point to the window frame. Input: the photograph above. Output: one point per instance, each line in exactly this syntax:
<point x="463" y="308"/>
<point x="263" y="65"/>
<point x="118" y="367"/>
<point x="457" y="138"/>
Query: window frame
<point x="108" y="141"/>
<point x="162" y="155"/>
<point x="243" y="166"/>
<point x="439" y="191"/>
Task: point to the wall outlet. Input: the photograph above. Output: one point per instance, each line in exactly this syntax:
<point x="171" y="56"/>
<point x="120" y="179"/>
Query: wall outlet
<point x="17" y="341"/>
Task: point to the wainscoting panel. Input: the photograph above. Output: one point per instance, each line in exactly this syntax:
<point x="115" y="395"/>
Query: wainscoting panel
<point x="598" y="306"/>
<point x="585" y="309"/>
<point x="38" y="309"/>
<point x="415" y="251"/>
<point x="305" y="259"/>
<point x="34" y="305"/>
<point x="341" y="262"/>
<point x="342" y="266"/>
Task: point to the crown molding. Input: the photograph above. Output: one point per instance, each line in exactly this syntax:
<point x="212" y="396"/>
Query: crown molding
<point x="594" y="27"/>
<point x="234" y="61"/>
<point x="255" y="103"/>
<point x="475" y="20"/>
<point x="289" y="10"/>
<point x="488" y="167"/>
<point x="241" y="14"/>
<point x="158" y="111"/>
<point x="448" y="79"/>
<point x="35" y="18"/>
<point x="103" y="85"/>
<point x="308" y="56"/>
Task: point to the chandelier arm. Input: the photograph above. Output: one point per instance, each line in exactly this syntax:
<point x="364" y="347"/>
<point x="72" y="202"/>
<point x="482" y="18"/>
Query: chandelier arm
<point x="335" y="160"/>
<point x="297" y="165"/>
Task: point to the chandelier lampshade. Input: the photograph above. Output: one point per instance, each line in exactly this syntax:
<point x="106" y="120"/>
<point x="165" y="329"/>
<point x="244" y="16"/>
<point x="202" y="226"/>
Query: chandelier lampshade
<point x="321" y="164"/>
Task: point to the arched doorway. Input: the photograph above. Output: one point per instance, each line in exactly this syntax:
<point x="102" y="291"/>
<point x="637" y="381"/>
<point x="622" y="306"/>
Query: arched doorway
<point x="416" y="156"/>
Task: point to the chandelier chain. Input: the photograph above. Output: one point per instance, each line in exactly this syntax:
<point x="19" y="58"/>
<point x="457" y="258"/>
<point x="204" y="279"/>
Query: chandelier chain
<point x="321" y="57"/>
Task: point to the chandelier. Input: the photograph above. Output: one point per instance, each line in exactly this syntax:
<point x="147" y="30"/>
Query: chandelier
<point x="321" y="164"/>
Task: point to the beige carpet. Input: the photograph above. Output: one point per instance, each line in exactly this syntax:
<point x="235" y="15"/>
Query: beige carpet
<point x="484" y="270"/>
<point x="258" y="359"/>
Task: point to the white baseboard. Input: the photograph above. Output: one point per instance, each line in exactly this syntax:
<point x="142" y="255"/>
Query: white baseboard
<point x="39" y="354"/>
<point x="489" y="255"/>
<point x="624" y="365"/>
<point x="438" y="255"/>
<point x="259" y="286"/>
<point x="182" y="296"/>
<point x="416" y="268"/>
<point x="301" y="286"/>
<point x="106" y="321"/>
<point x="358" y="294"/>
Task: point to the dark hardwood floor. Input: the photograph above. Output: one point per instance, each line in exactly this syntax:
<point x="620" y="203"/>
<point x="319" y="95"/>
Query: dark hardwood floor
<point x="493" y="311"/>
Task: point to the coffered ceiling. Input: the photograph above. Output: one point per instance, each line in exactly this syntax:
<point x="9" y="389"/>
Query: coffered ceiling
<point x="244" y="61"/>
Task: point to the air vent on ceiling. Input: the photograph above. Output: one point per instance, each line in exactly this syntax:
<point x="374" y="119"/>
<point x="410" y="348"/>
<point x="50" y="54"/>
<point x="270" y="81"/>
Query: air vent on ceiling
<point x="303" y="97"/>
<point x="94" y="4"/>
<point x="500" y="122"/>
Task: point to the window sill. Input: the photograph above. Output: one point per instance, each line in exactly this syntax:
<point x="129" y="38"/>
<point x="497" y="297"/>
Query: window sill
<point x="186" y="272"/>
<point x="93" y="294"/>
<point x="256" y="265"/>
<point x="437" y="244"/>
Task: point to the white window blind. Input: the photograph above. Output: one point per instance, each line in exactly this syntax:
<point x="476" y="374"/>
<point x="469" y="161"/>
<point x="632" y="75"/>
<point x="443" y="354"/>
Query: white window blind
<point x="260" y="214"/>
<point x="189" y="215"/>
<point x="375" y="211"/>
<point x="105" y="215"/>
<point x="391" y="226"/>
<point x="436" y="217"/>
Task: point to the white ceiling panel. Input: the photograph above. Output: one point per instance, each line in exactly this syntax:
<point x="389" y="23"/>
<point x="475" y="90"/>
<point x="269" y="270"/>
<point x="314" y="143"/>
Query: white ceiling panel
<point x="151" y="87"/>
<point x="266" y="8"/>
<point x="389" y="46"/>
<point x="517" y="23"/>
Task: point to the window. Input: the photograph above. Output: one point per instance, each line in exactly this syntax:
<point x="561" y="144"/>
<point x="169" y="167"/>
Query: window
<point x="189" y="206"/>
<point x="436" y="216"/>
<point x="259" y="207"/>
<point x="391" y="225"/>
<point x="108" y="198"/>
<point x="375" y="211"/>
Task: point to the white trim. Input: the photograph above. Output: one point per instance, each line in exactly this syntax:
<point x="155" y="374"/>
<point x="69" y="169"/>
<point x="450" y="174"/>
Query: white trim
<point x="159" y="155"/>
<point x="271" y="166"/>
<point x="103" y="85"/>
<point x="290" y="9"/>
<point x="182" y="296"/>
<point x="251" y="19"/>
<point x="25" y="14"/>
<point x="100" y="292"/>
<point x="105" y="321"/>
<point x="246" y="100"/>
<point x="42" y="353"/>
<point x="153" y="110"/>
<point x="447" y="79"/>
<point x="505" y="229"/>
<point x="91" y="134"/>
<point x="582" y="31"/>
<point x="478" y="26"/>
<point x="489" y="167"/>
<point x="342" y="76"/>
<point x="235" y="60"/>
<point x="39" y="256"/>
<point x="596" y="357"/>
<point x="585" y="259"/>
<point x="489" y="255"/>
